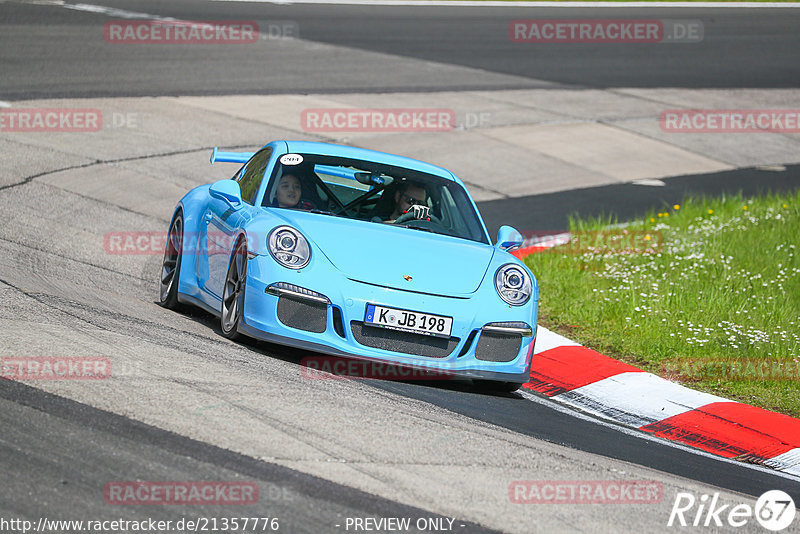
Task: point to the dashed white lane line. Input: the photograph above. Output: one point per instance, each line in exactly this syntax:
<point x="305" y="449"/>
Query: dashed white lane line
<point x="113" y="12"/>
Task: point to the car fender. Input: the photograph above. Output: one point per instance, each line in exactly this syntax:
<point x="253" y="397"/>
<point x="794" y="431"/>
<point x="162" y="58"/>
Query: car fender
<point x="193" y="206"/>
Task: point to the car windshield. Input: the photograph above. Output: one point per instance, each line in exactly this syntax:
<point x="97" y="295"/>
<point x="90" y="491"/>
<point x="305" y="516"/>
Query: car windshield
<point x="374" y="192"/>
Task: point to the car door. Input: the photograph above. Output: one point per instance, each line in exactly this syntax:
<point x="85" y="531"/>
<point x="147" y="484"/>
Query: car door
<point x="223" y="220"/>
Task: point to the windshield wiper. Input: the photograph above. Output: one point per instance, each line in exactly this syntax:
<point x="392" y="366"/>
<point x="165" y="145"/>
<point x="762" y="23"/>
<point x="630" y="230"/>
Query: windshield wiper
<point x="323" y="212"/>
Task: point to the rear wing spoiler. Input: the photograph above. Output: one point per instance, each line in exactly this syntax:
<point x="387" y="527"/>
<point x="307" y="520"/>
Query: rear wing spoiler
<point x="230" y="157"/>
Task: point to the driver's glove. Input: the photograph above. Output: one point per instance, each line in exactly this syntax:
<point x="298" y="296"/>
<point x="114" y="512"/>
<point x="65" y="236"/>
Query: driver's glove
<point x="418" y="211"/>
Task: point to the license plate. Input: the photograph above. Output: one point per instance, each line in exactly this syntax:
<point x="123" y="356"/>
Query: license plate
<point x="408" y="321"/>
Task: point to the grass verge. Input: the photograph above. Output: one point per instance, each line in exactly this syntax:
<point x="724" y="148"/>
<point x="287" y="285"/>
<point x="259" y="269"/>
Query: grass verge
<point x="706" y="293"/>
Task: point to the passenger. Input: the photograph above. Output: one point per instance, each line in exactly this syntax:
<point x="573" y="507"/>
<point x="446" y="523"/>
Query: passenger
<point x="289" y="194"/>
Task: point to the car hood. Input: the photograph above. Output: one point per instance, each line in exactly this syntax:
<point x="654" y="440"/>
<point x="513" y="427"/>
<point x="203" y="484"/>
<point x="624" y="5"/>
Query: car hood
<point x="400" y="258"/>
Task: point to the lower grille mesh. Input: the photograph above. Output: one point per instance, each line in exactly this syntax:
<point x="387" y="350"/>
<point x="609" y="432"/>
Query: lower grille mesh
<point x="303" y="314"/>
<point x="405" y="342"/>
<point x="497" y="347"/>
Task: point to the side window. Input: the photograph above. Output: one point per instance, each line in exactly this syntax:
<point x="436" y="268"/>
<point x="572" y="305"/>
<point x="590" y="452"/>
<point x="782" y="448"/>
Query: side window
<point x="250" y="178"/>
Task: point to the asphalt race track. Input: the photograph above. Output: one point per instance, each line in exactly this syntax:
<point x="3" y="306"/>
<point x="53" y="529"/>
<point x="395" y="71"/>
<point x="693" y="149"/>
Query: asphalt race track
<point x="742" y="48"/>
<point x="186" y="404"/>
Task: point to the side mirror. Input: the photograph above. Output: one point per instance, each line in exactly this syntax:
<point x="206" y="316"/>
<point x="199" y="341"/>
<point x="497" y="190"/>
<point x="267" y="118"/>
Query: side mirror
<point x="227" y="190"/>
<point x="508" y="238"/>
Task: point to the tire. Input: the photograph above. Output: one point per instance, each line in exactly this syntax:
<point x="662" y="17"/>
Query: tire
<point x="171" y="265"/>
<point x="233" y="292"/>
<point x="490" y="386"/>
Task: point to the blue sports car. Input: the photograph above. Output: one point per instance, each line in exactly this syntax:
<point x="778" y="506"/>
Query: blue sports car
<point x="354" y="253"/>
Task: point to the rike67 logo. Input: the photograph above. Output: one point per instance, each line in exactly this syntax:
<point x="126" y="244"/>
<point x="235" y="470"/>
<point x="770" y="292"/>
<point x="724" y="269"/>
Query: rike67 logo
<point x="774" y="510"/>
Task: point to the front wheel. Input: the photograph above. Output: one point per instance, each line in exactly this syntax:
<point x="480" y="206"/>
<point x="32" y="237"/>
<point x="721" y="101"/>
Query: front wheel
<point x="233" y="293"/>
<point x="171" y="266"/>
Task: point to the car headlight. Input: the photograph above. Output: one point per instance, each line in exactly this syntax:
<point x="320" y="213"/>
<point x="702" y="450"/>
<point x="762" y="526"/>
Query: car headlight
<point x="288" y="247"/>
<point x="513" y="284"/>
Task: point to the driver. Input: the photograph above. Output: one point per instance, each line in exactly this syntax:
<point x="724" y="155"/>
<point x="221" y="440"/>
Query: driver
<point x="410" y="202"/>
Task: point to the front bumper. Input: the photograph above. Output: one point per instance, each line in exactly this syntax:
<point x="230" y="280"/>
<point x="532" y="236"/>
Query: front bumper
<point x="323" y="311"/>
